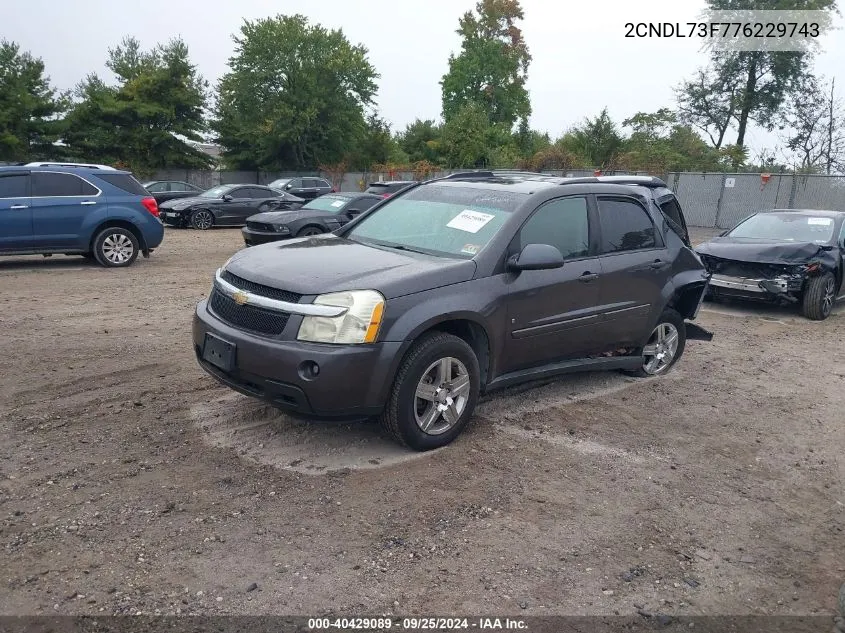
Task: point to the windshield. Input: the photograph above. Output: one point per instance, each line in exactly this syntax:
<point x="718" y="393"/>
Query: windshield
<point x="216" y="192"/>
<point x="786" y="227"/>
<point x="446" y="221"/>
<point x="332" y="204"/>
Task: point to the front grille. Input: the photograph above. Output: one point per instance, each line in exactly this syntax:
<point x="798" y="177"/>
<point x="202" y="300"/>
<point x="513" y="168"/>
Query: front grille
<point x="260" y="226"/>
<point x="258" y="289"/>
<point x="248" y="317"/>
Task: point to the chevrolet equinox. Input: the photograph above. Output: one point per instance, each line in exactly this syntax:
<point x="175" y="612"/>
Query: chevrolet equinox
<point x="451" y="289"/>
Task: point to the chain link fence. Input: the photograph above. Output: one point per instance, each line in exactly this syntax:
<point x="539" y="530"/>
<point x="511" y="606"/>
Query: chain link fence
<point x="722" y="200"/>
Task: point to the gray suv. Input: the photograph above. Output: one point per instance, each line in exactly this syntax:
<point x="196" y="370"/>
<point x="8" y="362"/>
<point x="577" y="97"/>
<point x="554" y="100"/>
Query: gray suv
<point x="451" y="289"/>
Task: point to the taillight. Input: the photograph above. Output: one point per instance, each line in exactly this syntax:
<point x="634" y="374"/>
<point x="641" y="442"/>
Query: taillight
<point x="385" y="195"/>
<point x="150" y="205"/>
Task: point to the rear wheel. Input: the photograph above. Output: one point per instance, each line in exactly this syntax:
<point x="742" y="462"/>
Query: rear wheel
<point x="664" y="347"/>
<point x="434" y="394"/>
<point x="819" y="296"/>
<point x="202" y="219"/>
<point x="116" y="247"/>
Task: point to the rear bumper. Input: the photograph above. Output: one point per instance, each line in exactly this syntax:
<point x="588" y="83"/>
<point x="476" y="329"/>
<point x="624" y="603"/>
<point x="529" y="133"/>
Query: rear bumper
<point x="352" y="383"/>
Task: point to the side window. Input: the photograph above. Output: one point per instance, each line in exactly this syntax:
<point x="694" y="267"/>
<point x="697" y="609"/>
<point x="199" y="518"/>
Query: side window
<point x="841" y="233"/>
<point x="159" y="187"/>
<point x="365" y="203"/>
<point x="672" y="210"/>
<point x="625" y="226"/>
<point x="51" y="184"/>
<point x="243" y="192"/>
<point x="259" y="193"/>
<point x="562" y="223"/>
<point x="178" y="186"/>
<point x="296" y="183"/>
<point x="324" y="184"/>
<point x="13" y="186"/>
<point x="310" y="183"/>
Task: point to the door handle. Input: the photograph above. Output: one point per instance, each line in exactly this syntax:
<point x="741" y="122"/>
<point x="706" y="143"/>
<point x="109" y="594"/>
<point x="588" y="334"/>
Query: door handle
<point x="657" y="263"/>
<point x="587" y="277"/>
<point x="87" y="203"/>
<point x="19" y="206"/>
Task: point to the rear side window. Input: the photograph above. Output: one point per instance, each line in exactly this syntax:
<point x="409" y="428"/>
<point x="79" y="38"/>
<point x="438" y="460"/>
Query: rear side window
<point x="323" y="184"/>
<point x="51" y="184"/>
<point x="13" y="186"/>
<point x="125" y="182"/>
<point x="672" y="211"/>
<point x="625" y="226"/>
<point x="563" y="224"/>
<point x="257" y="193"/>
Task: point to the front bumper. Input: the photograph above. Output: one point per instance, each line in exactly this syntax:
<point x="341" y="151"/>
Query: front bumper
<point x="352" y="383"/>
<point x="783" y="286"/>
<point x="173" y="218"/>
<point x="253" y="237"/>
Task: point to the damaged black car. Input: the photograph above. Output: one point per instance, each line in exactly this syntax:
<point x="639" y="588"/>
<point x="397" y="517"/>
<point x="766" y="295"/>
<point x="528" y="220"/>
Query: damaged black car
<point x="781" y="256"/>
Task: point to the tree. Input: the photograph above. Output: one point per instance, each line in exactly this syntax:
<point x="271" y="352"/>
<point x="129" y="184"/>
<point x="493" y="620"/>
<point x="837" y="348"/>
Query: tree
<point x="709" y="101"/>
<point x="815" y="117"/>
<point x="28" y="107"/>
<point x="145" y="120"/>
<point x="465" y="137"/>
<point x="421" y="141"/>
<point x="491" y="69"/>
<point x="376" y="145"/>
<point x="750" y="86"/>
<point x="597" y="140"/>
<point x="294" y="96"/>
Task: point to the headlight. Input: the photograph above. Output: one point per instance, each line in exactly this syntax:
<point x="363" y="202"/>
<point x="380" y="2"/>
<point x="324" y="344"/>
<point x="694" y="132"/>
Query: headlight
<point x="281" y="228"/>
<point x="360" y="323"/>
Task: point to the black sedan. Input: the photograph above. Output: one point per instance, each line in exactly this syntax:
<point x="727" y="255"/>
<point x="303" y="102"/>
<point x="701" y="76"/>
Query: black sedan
<point x="321" y="215"/>
<point x="225" y="205"/>
<point x="780" y="256"/>
<point x="307" y="188"/>
<point x="164" y="190"/>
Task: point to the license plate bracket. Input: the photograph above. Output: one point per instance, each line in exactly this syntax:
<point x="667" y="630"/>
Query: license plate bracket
<point x="218" y="352"/>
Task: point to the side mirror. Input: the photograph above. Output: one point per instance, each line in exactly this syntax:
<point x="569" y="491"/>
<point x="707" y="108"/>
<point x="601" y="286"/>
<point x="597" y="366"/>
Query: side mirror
<point x="352" y="213"/>
<point x="227" y="198"/>
<point x="288" y="186"/>
<point x="536" y="257"/>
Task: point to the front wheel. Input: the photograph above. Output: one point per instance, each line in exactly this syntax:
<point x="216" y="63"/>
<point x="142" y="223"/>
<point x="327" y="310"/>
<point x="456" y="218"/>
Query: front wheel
<point x="664" y="347"/>
<point x="116" y="247"/>
<point x="434" y="394"/>
<point x="819" y="296"/>
<point x="309" y="230"/>
<point x="202" y="219"/>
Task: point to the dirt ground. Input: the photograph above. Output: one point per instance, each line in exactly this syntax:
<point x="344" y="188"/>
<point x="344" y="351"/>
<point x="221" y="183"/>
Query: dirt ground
<point x="132" y="482"/>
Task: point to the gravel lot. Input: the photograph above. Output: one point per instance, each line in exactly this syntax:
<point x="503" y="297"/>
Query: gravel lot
<point x="131" y="482"/>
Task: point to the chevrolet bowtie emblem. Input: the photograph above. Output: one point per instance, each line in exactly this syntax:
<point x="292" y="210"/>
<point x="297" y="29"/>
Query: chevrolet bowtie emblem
<point x="240" y="297"/>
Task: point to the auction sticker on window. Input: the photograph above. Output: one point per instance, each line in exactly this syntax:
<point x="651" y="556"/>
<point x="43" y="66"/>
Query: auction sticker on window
<point x="337" y="203"/>
<point x="470" y="221"/>
<point x="820" y="221"/>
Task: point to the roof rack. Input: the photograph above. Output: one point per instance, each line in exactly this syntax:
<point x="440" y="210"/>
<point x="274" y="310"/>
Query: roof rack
<point x="652" y="182"/>
<point x="55" y="164"/>
<point x="480" y="173"/>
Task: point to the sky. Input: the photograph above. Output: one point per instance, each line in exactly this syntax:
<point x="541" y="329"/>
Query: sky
<point x="582" y="60"/>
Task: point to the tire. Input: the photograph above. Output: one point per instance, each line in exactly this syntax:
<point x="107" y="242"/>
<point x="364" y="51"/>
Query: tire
<point x="819" y="296"/>
<point x="670" y="322"/>
<point x="309" y="230"/>
<point x="423" y="367"/>
<point x="116" y="247"/>
<point x="202" y="219"/>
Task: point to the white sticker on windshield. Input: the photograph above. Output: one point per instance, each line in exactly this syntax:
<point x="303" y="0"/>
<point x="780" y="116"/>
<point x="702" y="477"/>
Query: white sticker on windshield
<point x="337" y="203"/>
<point x="470" y="221"/>
<point x="820" y="221"/>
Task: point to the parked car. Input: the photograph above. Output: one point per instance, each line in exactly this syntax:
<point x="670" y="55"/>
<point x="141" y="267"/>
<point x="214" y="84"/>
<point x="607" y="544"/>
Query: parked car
<point x="164" y="190"/>
<point x="93" y="210"/>
<point x="387" y="189"/>
<point x="451" y="289"/>
<point x="781" y="256"/>
<point x="321" y="215"/>
<point x="307" y="188"/>
<point x="225" y="205"/>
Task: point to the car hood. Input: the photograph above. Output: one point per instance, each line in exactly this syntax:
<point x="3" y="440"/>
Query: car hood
<point x="185" y="203"/>
<point x="284" y="217"/>
<point x="761" y="252"/>
<point x="326" y="263"/>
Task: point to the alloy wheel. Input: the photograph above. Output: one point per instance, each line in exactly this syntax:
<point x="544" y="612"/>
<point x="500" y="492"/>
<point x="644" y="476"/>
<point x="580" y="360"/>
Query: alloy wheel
<point x="118" y="248"/>
<point x="441" y="396"/>
<point x="202" y="220"/>
<point x="661" y="348"/>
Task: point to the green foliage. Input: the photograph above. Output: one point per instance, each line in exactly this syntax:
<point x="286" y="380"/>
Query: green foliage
<point x="376" y="144"/>
<point x="28" y="107"/>
<point x="421" y="141"/>
<point x="492" y="67"/>
<point x="466" y="136"/>
<point x="141" y="122"/>
<point x="596" y="140"/>
<point x="294" y="96"/>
